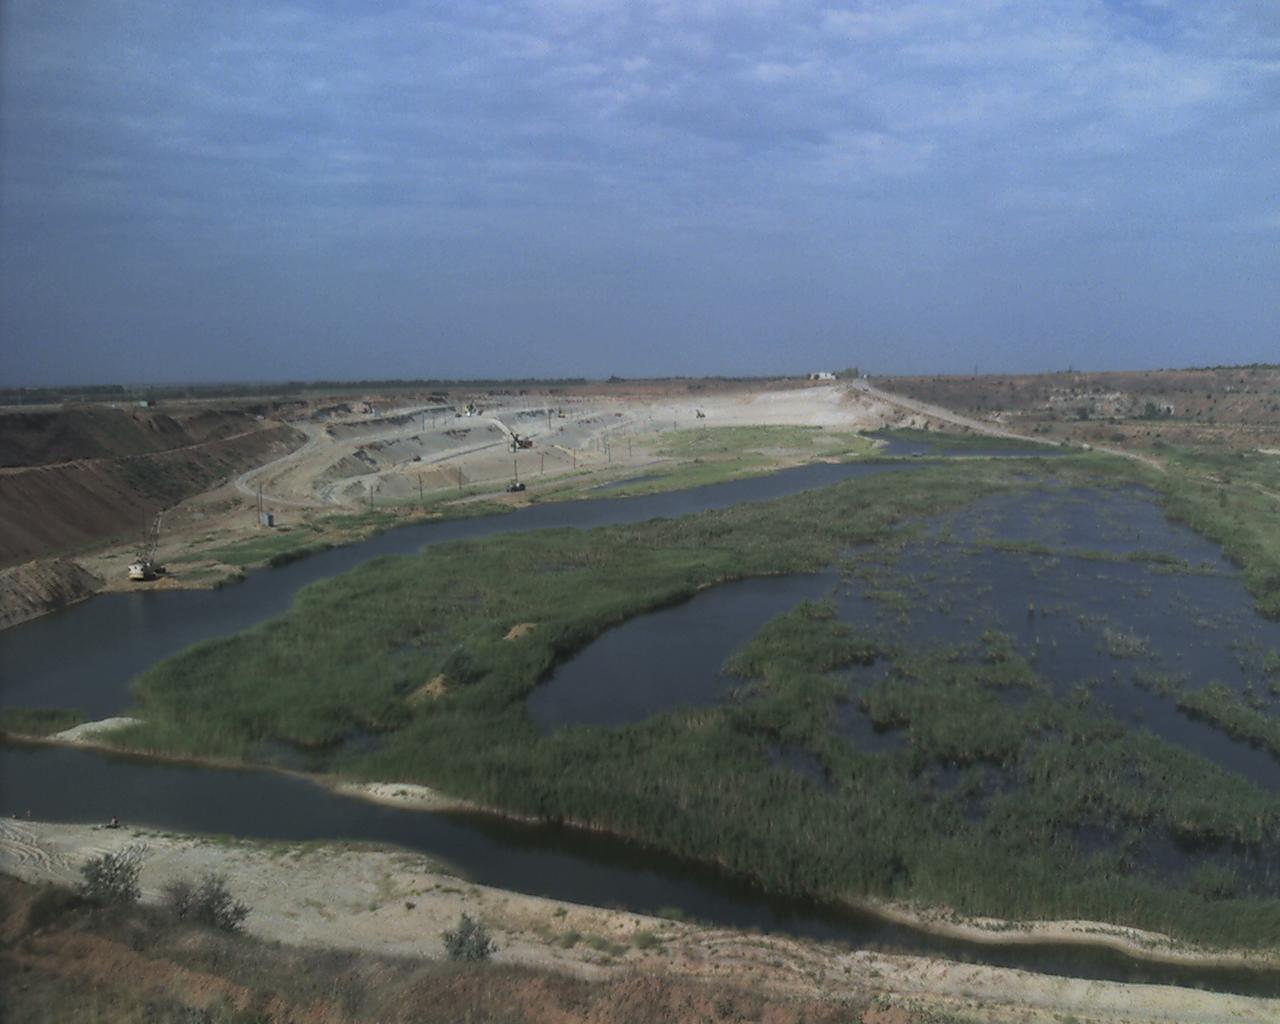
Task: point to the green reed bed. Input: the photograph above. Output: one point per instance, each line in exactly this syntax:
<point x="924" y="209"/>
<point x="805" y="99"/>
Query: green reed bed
<point x="354" y="653"/>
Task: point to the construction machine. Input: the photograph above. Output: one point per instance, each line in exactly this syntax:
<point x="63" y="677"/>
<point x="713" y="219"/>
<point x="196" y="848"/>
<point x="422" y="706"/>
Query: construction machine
<point x="145" y="567"/>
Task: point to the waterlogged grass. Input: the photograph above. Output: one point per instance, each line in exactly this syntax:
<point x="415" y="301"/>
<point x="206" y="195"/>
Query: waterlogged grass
<point x="355" y="654"/>
<point x="38" y="721"/>
<point x="1233" y="499"/>
<point x="1224" y="709"/>
<point x="272" y="548"/>
<point x="353" y="649"/>
<point x="322" y="532"/>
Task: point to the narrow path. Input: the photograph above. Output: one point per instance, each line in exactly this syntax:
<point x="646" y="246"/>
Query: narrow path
<point x="244" y="482"/>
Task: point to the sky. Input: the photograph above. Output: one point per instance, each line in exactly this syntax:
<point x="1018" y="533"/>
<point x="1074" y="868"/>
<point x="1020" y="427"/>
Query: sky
<point x="264" y="190"/>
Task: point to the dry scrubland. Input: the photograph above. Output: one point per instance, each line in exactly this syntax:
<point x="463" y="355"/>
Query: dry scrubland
<point x="1231" y="408"/>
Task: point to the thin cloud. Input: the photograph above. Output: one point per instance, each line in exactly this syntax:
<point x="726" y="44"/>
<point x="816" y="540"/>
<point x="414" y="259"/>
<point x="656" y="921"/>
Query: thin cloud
<point x="264" y="130"/>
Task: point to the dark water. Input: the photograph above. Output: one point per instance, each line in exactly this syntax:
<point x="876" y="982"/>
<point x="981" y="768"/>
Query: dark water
<point x="1082" y="620"/>
<point x="84" y="786"/>
<point x="668" y="658"/>
<point x="84" y="656"/>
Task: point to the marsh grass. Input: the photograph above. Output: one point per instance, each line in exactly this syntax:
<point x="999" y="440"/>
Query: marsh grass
<point x="1234" y="499"/>
<point x="705" y="783"/>
<point x="38" y="721"/>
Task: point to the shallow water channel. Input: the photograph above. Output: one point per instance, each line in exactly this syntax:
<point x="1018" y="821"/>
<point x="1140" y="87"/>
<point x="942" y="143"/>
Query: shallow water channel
<point x="85" y="655"/>
<point x="546" y="860"/>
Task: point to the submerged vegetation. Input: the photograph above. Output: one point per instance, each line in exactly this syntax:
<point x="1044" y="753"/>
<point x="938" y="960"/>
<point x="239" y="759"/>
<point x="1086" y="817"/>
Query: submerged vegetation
<point x="1001" y="797"/>
<point x="1233" y="498"/>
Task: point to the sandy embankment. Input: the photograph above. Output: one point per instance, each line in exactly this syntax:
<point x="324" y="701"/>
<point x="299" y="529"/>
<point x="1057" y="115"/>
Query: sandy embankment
<point x="346" y="896"/>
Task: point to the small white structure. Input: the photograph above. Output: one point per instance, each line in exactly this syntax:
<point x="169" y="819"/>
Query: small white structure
<point x="822" y="375"/>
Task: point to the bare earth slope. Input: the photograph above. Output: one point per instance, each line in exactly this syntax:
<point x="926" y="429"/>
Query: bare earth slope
<point x="29" y="590"/>
<point x="88" y="477"/>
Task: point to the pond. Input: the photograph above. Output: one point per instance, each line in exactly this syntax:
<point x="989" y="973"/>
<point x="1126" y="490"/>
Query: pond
<point x="668" y="658"/>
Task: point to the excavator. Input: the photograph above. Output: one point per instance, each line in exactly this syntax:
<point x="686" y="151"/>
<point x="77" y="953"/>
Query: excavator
<point x="145" y="566"/>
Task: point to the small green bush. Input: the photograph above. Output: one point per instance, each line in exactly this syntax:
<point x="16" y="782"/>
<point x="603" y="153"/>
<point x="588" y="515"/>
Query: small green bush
<point x="208" y="902"/>
<point x="112" y="878"/>
<point x="470" y="941"/>
<point x="645" y="940"/>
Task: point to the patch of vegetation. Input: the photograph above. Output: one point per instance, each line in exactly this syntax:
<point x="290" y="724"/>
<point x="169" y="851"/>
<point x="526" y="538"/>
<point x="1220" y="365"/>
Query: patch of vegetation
<point x="469" y="941"/>
<point x="39" y="721"/>
<point x="1224" y="709"/>
<point x="353" y="648"/>
<point x="291" y="544"/>
<point x="1234" y="499"/>
<point x="645" y="940"/>
<point x="111" y="878"/>
<point x="208" y="902"/>
<point x="975" y="443"/>
<point x="705" y="783"/>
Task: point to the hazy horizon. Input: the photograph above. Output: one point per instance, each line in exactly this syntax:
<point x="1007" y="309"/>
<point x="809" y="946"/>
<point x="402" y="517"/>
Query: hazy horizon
<point x="585" y="188"/>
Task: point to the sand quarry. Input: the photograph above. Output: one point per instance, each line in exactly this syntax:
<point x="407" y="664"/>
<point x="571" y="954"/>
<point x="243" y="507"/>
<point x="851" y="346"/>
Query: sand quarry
<point x="390" y="454"/>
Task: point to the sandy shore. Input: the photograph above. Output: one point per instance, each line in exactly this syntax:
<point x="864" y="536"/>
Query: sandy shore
<point x="386" y="901"/>
<point x="1134" y="942"/>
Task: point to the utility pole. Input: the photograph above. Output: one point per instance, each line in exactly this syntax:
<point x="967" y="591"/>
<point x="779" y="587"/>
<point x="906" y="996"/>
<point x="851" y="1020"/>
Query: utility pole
<point x="542" y="468"/>
<point x="421" y="500"/>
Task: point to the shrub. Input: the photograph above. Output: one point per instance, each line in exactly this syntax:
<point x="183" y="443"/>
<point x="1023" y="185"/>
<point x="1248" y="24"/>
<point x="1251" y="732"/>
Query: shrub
<point x="645" y="940"/>
<point x="51" y="903"/>
<point x="469" y="941"/>
<point x="178" y="896"/>
<point x="208" y="903"/>
<point x="112" y="878"/>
